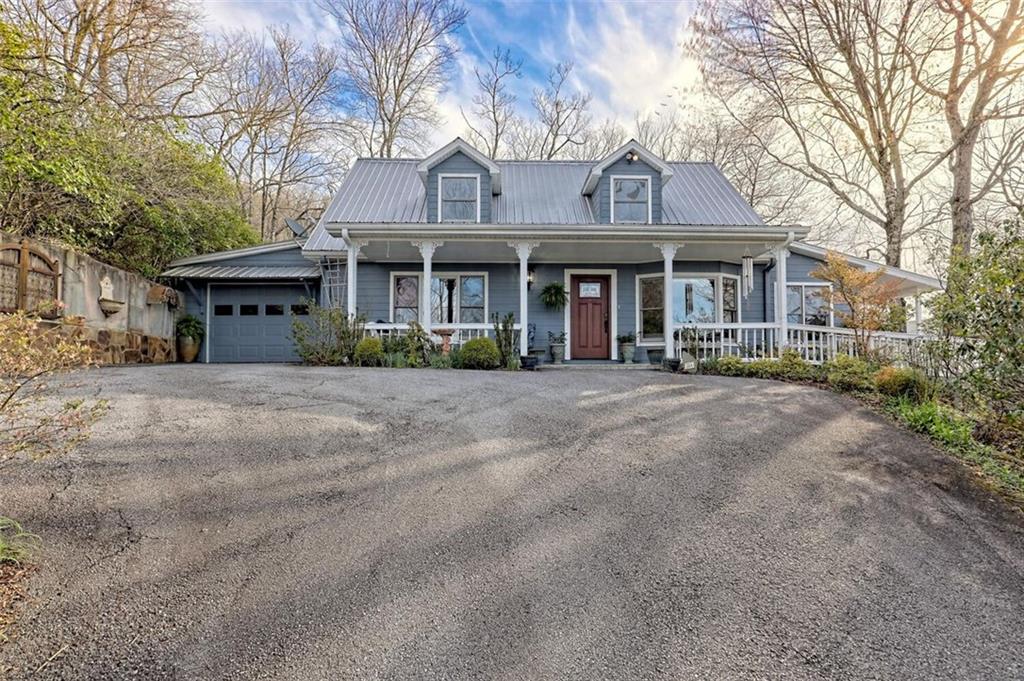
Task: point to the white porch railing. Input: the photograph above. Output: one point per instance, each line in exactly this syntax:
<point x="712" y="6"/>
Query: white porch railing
<point x="462" y="332"/>
<point x="816" y="344"/>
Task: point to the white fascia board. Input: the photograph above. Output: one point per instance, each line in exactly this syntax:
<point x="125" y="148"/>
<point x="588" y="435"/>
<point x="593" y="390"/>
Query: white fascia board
<point x="921" y="281"/>
<point x="746" y="233"/>
<point x="456" y="145"/>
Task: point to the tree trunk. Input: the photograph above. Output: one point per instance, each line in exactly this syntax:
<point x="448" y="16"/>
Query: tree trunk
<point x="960" y="203"/>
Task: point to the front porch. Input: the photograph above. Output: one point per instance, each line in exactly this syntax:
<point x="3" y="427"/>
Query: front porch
<point x="712" y="294"/>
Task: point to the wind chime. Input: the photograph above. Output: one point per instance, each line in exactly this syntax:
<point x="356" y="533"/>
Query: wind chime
<point x="747" y="273"/>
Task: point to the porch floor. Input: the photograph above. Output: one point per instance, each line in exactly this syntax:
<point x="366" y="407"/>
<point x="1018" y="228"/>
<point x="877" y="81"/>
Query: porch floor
<point x="593" y="364"/>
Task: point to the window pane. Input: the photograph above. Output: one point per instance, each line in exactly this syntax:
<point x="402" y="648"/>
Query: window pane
<point x="442" y="300"/>
<point x="630" y="190"/>
<point x="463" y="188"/>
<point x="630" y="212"/>
<point x="300" y="310"/>
<point x="458" y="211"/>
<point x="472" y="293"/>
<point x="693" y="301"/>
<point x="652" y="325"/>
<point x="248" y="310"/>
<point x="794" y="305"/>
<point x="730" y="301"/>
<point x="590" y="289"/>
<point x="273" y="310"/>
<point x="472" y="315"/>
<point x="407" y="291"/>
<point x="223" y="310"/>
<point x="404" y="315"/>
<point x="816" y="305"/>
<point x="650" y="293"/>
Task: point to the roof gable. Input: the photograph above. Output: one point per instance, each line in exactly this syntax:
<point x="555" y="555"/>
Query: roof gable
<point x="630" y="147"/>
<point x="456" y="145"/>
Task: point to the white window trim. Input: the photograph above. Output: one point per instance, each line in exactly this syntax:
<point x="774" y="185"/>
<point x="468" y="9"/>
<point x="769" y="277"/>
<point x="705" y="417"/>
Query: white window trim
<point x="611" y="197"/>
<point x="439" y="275"/>
<point x="719" y="298"/>
<point x="613" y="302"/>
<point x="803" y="285"/>
<point x="440" y="180"/>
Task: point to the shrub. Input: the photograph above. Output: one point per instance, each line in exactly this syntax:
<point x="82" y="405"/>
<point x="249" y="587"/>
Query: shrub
<point x="479" y="353"/>
<point x="441" y="361"/>
<point x="794" y="367"/>
<point x="898" y="382"/>
<point x="393" y="343"/>
<point x="418" y="347"/>
<point x="762" y="368"/>
<point x="369" y="352"/>
<point x="507" y="340"/>
<point x="730" y="365"/>
<point x="328" y="336"/>
<point x="850" y="374"/>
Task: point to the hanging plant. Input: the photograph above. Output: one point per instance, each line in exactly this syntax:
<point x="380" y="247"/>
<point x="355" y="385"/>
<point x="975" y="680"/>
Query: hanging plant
<point x="554" y="295"/>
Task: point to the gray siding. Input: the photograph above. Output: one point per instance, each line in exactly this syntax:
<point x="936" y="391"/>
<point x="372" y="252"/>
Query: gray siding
<point x="459" y="163"/>
<point x="601" y="198"/>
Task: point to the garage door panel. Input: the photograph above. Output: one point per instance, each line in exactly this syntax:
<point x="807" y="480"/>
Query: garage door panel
<point x="264" y="332"/>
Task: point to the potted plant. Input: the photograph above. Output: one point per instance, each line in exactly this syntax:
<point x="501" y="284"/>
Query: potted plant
<point x="654" y="355"/>
<point x="190" y="335"/>
<point x="557" y="343"/>
<point x="554" y="296"/>
<point x="627" y="347"/>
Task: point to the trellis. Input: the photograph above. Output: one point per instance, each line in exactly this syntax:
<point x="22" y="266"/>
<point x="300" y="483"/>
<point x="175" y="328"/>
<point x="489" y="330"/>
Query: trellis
<point x="29" y="279"/>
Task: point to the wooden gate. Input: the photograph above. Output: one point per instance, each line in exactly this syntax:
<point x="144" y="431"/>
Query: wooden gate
<point x="28" y="280"/>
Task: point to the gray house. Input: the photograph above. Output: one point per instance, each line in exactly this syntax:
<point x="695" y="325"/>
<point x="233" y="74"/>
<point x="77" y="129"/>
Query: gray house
<point x="667" y="251"/>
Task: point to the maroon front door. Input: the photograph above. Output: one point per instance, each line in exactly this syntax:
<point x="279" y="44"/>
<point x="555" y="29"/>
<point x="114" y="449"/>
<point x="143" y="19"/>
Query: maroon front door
<point x="589" y="317"/>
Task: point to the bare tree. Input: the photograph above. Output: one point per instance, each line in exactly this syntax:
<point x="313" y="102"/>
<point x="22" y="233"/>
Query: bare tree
<point x="833" y="75"/>
<point x="277" y="130"/>
<point x="562" y="120"/>
<point x="493" y="105"/>
<point x="147" y="57"/>
<point x="601" y="140"/>
<point x="395" y="55"/>
<point x="972" y="61"/>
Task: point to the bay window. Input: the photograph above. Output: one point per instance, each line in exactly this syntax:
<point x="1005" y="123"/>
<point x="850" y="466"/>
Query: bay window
<point x="808" y="304"/>
<point x="454" y="298"/>
<point x="696" y="299"/>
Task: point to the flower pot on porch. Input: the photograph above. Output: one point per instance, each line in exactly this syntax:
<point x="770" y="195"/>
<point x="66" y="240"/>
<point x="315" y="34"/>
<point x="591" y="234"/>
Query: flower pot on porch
<point x="627" y="351"/>
<point x="528" y="362"/>
<point x="557" y="352"/>
<point x="188" y="348"/>
<point x="654" y="355"/>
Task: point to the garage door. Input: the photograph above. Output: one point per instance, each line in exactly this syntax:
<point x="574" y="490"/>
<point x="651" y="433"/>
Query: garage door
<point x="253" y="323"/>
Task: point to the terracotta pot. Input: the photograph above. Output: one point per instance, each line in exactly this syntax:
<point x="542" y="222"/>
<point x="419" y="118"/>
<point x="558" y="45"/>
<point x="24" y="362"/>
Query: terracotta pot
<point x="188" y="349"/>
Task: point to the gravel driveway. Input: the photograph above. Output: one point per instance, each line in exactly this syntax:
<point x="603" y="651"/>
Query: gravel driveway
<point x="230" y="522"/>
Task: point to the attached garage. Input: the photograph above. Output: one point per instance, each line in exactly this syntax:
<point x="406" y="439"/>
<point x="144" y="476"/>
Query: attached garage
<point x="253" y="322"/>
<point x="248" y="300"/>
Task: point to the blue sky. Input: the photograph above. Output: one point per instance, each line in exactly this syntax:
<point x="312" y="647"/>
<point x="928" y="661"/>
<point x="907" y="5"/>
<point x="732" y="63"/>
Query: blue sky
<point x="628" y="54"/>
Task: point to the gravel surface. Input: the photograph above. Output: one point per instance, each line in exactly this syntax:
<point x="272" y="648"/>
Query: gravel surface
<point x="275" y="522"/>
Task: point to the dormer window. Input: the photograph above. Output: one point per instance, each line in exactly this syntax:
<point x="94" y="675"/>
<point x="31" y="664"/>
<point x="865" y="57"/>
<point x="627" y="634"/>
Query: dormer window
<point x="458" y="198"/>
<point x="631" y="200"/>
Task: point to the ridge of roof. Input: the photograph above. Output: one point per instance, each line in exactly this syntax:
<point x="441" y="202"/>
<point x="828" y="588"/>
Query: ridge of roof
<point x="538" y="161"/>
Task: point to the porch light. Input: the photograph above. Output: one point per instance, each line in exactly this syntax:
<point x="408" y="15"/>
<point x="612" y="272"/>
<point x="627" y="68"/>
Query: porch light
<point x="747" y="273"/>
<point x="632" y="156"/>
<point x="531" y="276"/>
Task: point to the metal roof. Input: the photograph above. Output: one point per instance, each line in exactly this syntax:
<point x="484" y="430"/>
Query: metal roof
<point x="320" y="241"/>
<point x="533" y="192"/>
<point x="243" y="272"/>
<point x="238" y="252"/>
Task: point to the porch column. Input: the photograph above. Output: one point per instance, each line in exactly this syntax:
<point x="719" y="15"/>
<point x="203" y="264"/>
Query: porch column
<point x="427" y="249"/>
<point x="668" y="252"/>
<point x="353" y="248"/>
<point x="523" y="249"/>
<point x="781" y="318"/>
<point x="918" y="315"/>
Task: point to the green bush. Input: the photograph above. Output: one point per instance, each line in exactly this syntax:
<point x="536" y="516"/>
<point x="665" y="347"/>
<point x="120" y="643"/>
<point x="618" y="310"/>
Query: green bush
<point x="849" y="374"/>
<point x="762" y="368"/>
<point x="328" y="336"/>
<point x="794" y="367"/>
<point x="899" y="382"/>
<point x="730" y="365"/>
<point x="479" y="353"/>
<point x="441" y="361"/>
<point x="369" y="352"/>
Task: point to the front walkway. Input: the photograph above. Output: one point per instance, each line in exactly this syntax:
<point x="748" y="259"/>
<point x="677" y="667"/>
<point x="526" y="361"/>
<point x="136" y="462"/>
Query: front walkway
<point x="243" y="522"/>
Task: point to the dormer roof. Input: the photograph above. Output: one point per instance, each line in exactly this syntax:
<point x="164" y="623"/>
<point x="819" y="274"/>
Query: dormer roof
<point x="456" y="145"/>
<point x="632" y="146"/>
